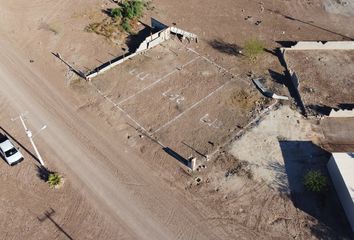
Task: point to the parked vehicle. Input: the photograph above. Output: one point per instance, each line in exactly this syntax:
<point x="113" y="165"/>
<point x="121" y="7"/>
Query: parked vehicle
<point x="8" y="151"/>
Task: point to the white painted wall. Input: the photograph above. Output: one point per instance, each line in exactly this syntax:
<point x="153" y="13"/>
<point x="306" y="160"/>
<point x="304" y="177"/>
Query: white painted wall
<point x="151" y="41"/>
<point x="333" y="45"/>
<point x="342" y="113"/>
<point x="341" y="169"/>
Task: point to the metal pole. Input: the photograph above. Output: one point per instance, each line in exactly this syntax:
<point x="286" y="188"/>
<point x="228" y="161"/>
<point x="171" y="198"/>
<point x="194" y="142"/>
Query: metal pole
<point x="29" y="135"/>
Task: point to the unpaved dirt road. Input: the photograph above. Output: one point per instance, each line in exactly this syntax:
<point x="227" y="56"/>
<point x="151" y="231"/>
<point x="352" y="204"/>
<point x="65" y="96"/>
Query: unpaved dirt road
<point x="118" y="181"/>
<point x="141" y="202"/>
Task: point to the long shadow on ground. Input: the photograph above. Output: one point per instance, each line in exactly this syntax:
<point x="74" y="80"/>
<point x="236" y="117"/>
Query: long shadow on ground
<point x="19" y="144"/>
<point x="300" y="157"/>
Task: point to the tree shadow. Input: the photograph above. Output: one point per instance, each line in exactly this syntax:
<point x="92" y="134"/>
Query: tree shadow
<point x="43" y="173"/>
<point x="300" y="157"/>
<point x="224" y="47"/>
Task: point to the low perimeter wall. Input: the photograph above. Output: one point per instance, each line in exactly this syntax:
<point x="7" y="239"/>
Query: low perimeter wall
<point x="343" y="183"/>
<point x="335" y="45"/>
<point x="151" y="41"/>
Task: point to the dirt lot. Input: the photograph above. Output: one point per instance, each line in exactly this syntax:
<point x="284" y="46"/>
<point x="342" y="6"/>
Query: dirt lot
<point x="283" y="155"/>
<point x="327" y="73"/>
<point x="180" y="98"/>
<point x="117" y="179"/>
<point x="265" y="166"/>
<point x="340" y="7"/>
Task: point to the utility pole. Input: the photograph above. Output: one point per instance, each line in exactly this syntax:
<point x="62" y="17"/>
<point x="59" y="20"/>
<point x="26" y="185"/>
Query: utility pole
<point x="31" y="136"/>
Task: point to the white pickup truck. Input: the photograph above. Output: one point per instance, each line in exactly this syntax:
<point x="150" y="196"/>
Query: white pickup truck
<point x="8" y="151"/>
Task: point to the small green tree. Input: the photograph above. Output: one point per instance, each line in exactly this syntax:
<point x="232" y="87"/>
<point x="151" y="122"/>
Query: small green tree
<point x="126" y="26"/>
<point x="132" y="9"/>
<point x="116" y="13"/>
<point x="54" y="179"/>
<point x="315" y="181"/>
<point x="253" y="48"/>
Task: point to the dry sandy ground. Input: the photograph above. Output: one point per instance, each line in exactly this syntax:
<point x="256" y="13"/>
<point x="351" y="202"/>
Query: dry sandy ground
<point x="121" y="183"/>
<point x="178" y="97"/>
<point x="283" y="124"/>
<point x="260" y="186"/>
<point x="343" y="7"/>
<point x="325" y="73"/>
<point x="118" y="182"/>
<point x="122" y="192"/>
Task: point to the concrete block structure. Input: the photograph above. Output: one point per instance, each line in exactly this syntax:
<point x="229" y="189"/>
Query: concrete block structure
<point x="341" y="169"/>
<point x="163" y="34"/>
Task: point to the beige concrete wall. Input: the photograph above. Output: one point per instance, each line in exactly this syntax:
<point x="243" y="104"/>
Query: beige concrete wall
<point x="154" y="40"/>
<point x="148" y="43"/>
<point x="113" y="64"/>
<point x="335" y="45"/>
<point x="184" y="34"/>
<point x="342" y="113"/>
<point x="151" y="41"/>
<point x="341" y="189"/>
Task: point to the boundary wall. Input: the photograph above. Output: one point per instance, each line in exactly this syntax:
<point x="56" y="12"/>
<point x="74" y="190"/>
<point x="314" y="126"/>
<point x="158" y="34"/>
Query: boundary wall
<point x="321" y="45"/>
<point x="309" y="46"/>
<point x="340" y="167"/>
<point x="155" y="39"/>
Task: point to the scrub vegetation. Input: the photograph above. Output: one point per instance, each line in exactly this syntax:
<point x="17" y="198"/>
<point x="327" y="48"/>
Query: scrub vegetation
<point x="122" y="19"/>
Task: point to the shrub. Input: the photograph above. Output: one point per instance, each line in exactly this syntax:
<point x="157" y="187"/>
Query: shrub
<point x="129" y="11"/>
<point x="116" y="13"/>
<point x="121" y="19"/>
<point x="54" y="179"/>
<point x="253" y="48"/>
<point x="126" y="26"/>
<point x="132" y="9"/>
<point x="315" y="181"/>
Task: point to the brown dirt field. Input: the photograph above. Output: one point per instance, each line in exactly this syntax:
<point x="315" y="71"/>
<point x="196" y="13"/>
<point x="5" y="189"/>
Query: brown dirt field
<point x="189" y="101"/>
<point x="322" y="75"/>
<point x="119" y="184"/>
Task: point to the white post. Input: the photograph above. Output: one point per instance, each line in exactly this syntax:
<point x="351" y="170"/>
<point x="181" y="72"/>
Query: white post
<point x="29" y="135"/>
